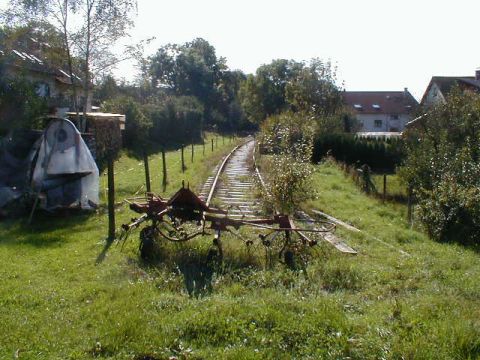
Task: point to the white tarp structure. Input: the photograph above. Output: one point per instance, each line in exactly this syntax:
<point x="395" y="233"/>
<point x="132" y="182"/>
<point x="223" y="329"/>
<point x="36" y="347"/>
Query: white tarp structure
<point x="64" y="171"/>
<point x="59" y="170"/>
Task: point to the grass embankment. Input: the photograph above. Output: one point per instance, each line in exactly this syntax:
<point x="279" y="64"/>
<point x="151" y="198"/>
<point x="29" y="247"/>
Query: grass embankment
<point x="55" y="303"/>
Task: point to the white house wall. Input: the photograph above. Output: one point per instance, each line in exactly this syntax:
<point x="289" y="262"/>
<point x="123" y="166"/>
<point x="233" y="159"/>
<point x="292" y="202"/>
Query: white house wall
<point x="388" y="123"/>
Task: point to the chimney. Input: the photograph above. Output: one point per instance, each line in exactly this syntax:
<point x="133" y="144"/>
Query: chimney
<point x="477" y="74"/>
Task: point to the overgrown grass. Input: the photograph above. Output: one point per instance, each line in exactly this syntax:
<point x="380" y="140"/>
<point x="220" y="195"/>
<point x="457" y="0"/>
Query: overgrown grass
<point x="395" y="188"/>
<point x="57" y="303"/>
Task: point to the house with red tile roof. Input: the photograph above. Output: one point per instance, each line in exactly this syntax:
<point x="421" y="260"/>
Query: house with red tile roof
<point x="381" y="111"/>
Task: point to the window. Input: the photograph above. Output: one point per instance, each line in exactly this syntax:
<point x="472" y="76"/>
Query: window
<point x="394" y="117"/>
<point x="376" y="106"/>
<point x="358" y="106"/>
<point x="42" y="89"/>
<point x="378" y="123"/>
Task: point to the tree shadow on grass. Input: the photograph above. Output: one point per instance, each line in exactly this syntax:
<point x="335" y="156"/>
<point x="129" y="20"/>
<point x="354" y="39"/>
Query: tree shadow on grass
<point x="198" y="266"/>
<point x="45" y="229"/>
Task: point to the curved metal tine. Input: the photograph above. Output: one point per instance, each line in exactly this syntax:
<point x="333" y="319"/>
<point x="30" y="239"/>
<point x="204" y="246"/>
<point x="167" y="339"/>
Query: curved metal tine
<point x="125" y="238"/>
<point x="237" y="235"/>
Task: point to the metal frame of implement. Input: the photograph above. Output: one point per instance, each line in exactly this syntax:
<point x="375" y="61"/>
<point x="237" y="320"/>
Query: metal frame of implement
<point x="185" y="206"/>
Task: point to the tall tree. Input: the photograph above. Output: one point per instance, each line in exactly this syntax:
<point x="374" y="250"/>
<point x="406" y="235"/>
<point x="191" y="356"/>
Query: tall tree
<point x="313" y="89"/>
<point x="89" y="27"/>
<point x="193" y="69"/>
<point x="263" y="95"/>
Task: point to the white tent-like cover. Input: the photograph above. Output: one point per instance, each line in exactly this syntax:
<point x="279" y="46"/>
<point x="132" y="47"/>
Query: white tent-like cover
<point x="64" y="173"/>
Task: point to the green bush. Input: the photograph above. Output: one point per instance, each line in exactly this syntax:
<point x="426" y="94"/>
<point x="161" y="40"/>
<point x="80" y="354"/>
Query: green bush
<point x="379" y="154"/>
<point x="175" y="120"/>
<point x="137" y="125"/>
<point x="288" y="138"/>
<point x="443" y="166"/>
<point x="20" y="106"/>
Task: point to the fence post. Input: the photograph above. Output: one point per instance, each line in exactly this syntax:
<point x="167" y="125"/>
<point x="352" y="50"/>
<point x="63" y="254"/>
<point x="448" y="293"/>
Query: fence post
<point x="212" y="145"/>
<point x="384" y="187"/>
<point x="164" y="181"/>
<point x="410" y="205"/>
<point x="111" y="200"/>
<point x="147" y="171"/>
<point x="183" y="159"/>
<point x="192" y="152"/>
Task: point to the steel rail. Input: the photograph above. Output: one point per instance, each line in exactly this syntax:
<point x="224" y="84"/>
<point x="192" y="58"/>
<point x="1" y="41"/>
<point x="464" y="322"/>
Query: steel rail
<point x="219" y="172"/>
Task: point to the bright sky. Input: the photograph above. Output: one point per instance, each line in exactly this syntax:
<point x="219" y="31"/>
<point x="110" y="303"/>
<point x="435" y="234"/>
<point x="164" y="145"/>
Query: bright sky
<point x="377" y="44"/>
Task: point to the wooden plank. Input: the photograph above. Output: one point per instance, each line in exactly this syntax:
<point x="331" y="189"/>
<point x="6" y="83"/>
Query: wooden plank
<point x="336" y="221"/>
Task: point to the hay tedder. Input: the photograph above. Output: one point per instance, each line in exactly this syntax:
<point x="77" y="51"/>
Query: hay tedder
<point x="186" y="216"/>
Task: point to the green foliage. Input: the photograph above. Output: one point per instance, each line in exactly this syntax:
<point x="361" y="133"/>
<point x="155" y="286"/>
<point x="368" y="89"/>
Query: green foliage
<point x="384" y="155"/>
<point x="57" y="303"/>
<point x="20" y="106"/>
<point x="443" y="166"/>
<point x="289" y="85"/>
<point x="194" y="70"/>
<point x="313" y="89"/>
<point x="288" y="137"/>
<point x="175" y="120"/>
<point x="263" y="95"/>
<point x="137" y="125"/>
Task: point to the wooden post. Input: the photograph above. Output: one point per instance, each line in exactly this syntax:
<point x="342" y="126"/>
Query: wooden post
<point x="193" y="150"/>
<point x="212" y="145"/>
<point x="410" y="205"/>
<point x="183" y="159"/>
<point x="384" y="187"/>
<point x="147" y="172"/>
<point x="164" y="181"/>
<point x="111" y="201"/>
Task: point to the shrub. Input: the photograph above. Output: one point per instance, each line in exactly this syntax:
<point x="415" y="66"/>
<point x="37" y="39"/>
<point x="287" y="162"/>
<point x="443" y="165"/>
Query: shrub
<point x="175" y="120"/>
<point x="288" y="137"/>
<point x="443" y="166"/>
<point x="137" y="125"/>
<point x="379" y="154"/>
<point x="20" y="106"/>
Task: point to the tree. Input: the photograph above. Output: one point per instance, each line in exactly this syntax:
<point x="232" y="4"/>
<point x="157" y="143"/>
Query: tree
<point x="288" y="85"/>
<point x="20" y="106"/>
<point x="137" y="125"/>
<point x="263" y="95"/>
<point x="313" y="89"/>
<point x="95" y="27"/>
<point x="288" y="137"/>
<point x="443" y="167"/>
<point x="193" y="69"/>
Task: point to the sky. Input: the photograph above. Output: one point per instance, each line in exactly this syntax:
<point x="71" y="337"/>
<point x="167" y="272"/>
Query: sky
<point x="377" y="45"/>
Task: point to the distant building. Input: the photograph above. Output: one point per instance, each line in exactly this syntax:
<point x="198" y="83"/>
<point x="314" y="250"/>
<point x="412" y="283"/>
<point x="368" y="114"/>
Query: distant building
<point x="50" y="82"/>
<point x="440" y="86"/>
<point x="381" y="111"/>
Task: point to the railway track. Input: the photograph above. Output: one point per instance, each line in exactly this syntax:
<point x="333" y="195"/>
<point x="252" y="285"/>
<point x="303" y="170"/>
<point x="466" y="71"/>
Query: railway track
<point x="231" y="188"/>
<point x="231" y="185"/>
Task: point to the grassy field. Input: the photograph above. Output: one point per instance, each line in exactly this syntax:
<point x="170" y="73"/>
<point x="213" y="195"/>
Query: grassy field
<point x="402" y="297"/>
<point x="395" y="188"/>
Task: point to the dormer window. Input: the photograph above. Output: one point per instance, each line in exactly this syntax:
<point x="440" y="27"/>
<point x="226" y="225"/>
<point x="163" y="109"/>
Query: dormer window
<point x="376" y="106"/>
<point x="358" y="107"/>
